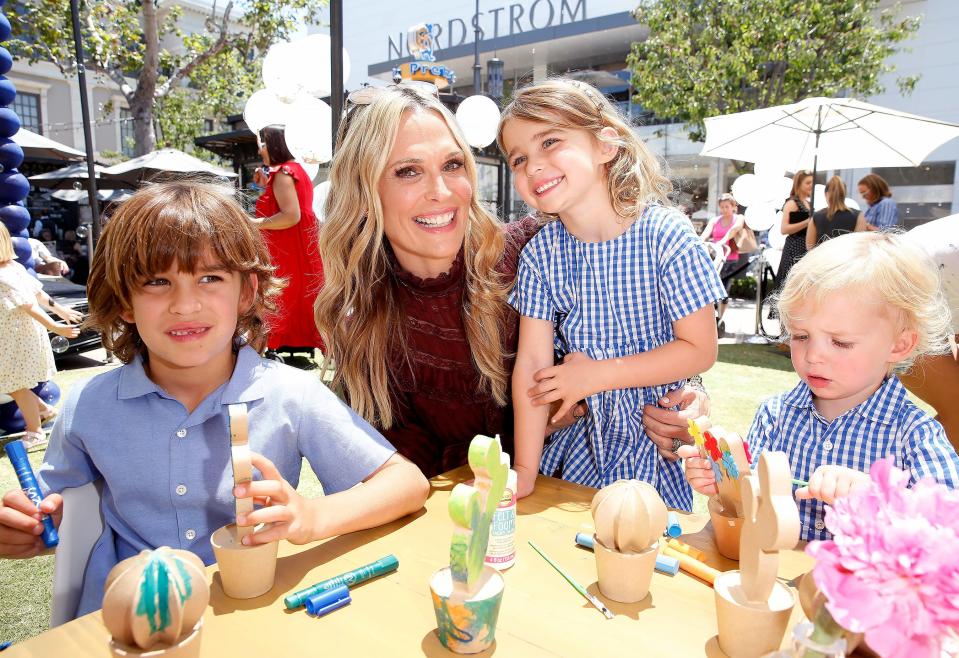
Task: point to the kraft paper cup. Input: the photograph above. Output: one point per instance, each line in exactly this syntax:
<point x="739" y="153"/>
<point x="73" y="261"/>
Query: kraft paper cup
<point x="624" y="577"/>
<point x="188" y="647"/>
<point x="245" y="571"/>
<point x="750" y="630"/>
<point x="727" y="529"/>
<point x="467" y="625"/>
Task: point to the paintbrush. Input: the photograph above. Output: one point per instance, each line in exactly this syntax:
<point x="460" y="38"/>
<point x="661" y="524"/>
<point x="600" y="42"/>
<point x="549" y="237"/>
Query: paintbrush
<point x="579" y="588"/>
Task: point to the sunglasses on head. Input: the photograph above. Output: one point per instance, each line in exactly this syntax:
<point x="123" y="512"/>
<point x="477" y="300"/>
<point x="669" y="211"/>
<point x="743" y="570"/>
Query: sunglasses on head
<point x="367" y="94"/>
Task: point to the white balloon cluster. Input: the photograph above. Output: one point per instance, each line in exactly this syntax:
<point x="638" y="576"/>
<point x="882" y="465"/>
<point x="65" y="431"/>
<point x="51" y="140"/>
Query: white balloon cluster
<point x="478" y="118"/>
<point x="295" y="73"/>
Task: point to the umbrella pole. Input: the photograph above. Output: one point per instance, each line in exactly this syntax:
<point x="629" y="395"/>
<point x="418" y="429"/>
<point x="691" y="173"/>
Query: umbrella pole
<point x="815" y="162"/>
<point x="87" y="135"/>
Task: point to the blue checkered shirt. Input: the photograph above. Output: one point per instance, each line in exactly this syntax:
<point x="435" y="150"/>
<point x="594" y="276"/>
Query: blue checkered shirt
<point x="883" y="214"/>
<point x="613" y="299"/>
<point x="885" y="424"/>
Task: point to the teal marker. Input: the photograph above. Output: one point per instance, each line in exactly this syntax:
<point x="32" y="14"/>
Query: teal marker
<point x="350" y="578"/>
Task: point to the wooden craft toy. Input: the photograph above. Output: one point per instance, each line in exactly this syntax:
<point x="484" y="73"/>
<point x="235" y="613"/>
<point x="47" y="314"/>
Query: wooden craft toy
<point x="467" y="594"/>
<point x="752" y="607"/>
<point x="153" y="604"/>
<point x="245" y="571"/>
<point x="630" y="518"/>
<point x="730" y="458"/>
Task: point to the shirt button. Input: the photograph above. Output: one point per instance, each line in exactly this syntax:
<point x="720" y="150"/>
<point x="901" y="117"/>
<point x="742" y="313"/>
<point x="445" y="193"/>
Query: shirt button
<point x="180" y="490"/>
<point x="181" y="433"/>
<point x="190" y="534"/>
<point x="820" y="525"/>
<point x="827" y="445"/>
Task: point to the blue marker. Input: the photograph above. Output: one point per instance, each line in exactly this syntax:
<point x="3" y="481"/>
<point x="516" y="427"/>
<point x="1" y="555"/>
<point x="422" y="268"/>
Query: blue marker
<point x="28" y="482"/>
<point x="673" y="529"/>
<point x="664" y="563"/>
<point x="328" y="601"/>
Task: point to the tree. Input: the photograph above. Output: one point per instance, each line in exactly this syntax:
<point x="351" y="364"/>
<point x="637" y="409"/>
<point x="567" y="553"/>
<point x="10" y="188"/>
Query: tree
<point x="210" y="75"/>
<point x="709" y="57"/>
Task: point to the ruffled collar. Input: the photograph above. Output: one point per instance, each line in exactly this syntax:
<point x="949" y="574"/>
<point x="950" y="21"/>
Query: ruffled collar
<point x="435" y="285"/>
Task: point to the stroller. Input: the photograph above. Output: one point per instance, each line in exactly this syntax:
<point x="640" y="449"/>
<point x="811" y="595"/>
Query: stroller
<point x="718" y="254"/>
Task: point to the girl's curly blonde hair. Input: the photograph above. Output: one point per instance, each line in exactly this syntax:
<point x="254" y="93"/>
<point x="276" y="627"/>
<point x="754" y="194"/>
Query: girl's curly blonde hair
<point x="634" y="177"/>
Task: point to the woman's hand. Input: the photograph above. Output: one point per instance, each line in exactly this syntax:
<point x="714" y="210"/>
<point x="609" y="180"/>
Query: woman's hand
<point x="830" y="482"/>
<point x="577" y="411"/>
<point x="570" y="382"/>
<point x="699" y="471"/>
<point x="294" y="517"/>
<point x="662" y="424"/>
<point x="65" y="330"/>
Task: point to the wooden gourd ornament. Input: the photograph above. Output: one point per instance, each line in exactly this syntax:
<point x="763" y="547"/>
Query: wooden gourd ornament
<point x="155" y="597"/>
<point x="629" y="516"/>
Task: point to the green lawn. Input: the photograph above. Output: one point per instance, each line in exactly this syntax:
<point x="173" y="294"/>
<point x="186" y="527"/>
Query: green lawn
<point x="740" y="380"/>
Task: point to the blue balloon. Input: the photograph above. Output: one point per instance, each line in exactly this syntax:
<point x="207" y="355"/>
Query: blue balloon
<point x="11" y="155"/>
<point x="22" y="250"/>
<point x="7" y="90"/>
<point x="49" y="392"/>
<point x="11" y="420"/>
<point x="5" y="29"/>
<point x="9" y="122"/>
<point x="15" y="218"/>
<point x="13" y="186"/>
<point x="6" y="61"/>
<point x="22" y="234"/>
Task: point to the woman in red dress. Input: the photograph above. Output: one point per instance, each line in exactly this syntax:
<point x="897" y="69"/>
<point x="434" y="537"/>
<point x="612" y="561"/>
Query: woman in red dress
<point x="285" y="217"/>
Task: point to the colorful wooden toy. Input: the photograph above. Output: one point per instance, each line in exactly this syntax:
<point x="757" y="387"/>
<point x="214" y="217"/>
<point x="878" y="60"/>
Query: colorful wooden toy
<point x="752" y="607"/>
<point x="467" y="595"/>
<point x="630" y="518"/>
<point x="153" y="604"/>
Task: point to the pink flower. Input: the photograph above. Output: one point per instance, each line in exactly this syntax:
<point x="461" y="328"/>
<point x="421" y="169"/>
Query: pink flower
<point x="891" y="570"/>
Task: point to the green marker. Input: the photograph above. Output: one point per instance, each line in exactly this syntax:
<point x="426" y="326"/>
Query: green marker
<point x="350" y="578"/>
<point x="800" y="483"/>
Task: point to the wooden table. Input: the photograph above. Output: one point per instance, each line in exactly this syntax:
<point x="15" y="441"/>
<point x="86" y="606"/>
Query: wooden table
<point x="541" y="614"/>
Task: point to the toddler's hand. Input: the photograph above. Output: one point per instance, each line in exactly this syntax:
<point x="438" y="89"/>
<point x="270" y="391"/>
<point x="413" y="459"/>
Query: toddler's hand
<point x="525" y="480"/>
<point x="830" y="482"/>
<point x="292" y="516"/>
<point x="699" y="471"/>
<point x="20" y="523"/>
<point x="570" y="382"/>
<point x="66" y="330"/>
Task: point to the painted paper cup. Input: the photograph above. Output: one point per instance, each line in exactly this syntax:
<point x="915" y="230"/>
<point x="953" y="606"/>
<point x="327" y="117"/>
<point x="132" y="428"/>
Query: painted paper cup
<point x="624" y="577"/>
<point x="727" y="529"/>
<point x="188" y="647"/>
<point x="467" y="625"/>
<point x="245" y="571"/>
<point x="746" y="629"/>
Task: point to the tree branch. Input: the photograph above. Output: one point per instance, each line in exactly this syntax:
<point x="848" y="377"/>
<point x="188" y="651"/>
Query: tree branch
<point x="217" y="46"/>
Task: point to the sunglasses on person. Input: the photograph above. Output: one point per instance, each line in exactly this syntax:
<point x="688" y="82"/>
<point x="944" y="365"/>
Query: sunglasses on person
<point x="368" y="94"/>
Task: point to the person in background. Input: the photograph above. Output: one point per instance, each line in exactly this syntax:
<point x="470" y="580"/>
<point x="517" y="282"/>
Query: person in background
<point x="45" y="262"/>
<point x="796" y="216"/>
<point x="882" y="213"/>
<point x="836" y="219"/>
<point x="724" y="230"/>
<point x="284" y="215"/>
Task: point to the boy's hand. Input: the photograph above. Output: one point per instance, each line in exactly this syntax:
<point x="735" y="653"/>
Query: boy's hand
<point x="699" y="471"/>
<point x="830" y="482"/>
<point x="525" y="480"/>
<point x="570" y="382"/>
<point x="20" y="523"/>
<point x="292" y="515"/>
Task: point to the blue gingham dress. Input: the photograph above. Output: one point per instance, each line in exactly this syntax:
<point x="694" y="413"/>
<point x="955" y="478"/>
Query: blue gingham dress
<point x="613" y="299"/>
<point x="886" y="424"/>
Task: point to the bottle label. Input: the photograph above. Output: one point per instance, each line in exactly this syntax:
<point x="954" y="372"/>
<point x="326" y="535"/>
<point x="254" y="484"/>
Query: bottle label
<point x="502" y="535"/>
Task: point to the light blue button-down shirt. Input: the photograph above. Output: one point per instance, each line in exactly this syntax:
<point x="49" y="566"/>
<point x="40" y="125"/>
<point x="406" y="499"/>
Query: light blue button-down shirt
<point x="167" y="475"/>
<point x="886" y="424"/>
<point x="883" y="214"/>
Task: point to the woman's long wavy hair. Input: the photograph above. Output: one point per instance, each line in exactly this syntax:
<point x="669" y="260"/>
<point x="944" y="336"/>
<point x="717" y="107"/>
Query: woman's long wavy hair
<point x="634" y="177"/>
<point x="358" y="311"/>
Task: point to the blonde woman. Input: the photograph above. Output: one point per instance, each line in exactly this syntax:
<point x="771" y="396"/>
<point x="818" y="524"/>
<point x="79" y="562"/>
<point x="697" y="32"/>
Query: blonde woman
<point x="25" y="355"/>
<point x="413" y="311"/>
<point x="836" y="219"/>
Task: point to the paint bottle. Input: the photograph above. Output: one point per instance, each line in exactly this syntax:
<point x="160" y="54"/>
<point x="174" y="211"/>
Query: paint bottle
<point x="501" y="552"/>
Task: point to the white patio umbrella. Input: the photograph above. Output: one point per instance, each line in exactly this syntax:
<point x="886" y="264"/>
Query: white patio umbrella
<point x="38" y="146"/>
<point x="163" y="161"/>
<point x="66" y="177"/>
<point x="826" y="133"/>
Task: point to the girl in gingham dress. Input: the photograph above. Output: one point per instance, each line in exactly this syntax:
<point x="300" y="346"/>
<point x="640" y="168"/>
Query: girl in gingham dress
<point x="620" y="285"/>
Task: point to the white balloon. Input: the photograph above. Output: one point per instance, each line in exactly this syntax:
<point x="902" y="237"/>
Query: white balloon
<point x="852" y="204"/>
<point x="775" y="236"/>
<point x="761" y="217"/>
<point x="746" y="190"/>
<point x="263" y="109"/>
<point x="308" y="130"/>
<point x="311" y="169"/>
<point x="320" y="193"/>
<point x="283" y="70"/>
<point x="768" y="189"/>
<point x="315" y="52"/>
<point x="478" y="118"/>
<point x="768" y="169"/>
<point x="785" y="189"/>
<point x="819" y="197"/>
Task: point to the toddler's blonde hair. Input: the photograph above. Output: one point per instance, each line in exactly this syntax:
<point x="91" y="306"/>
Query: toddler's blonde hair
<point x="634" y="176"/>
<point x="903" y="276"/>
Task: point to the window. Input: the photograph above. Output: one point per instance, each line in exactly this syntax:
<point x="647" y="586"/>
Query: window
<point x="928" y="173"/>
<point x="208" y="126"/>
<point x="127" y="139"/>
<point x="27" y="107"/>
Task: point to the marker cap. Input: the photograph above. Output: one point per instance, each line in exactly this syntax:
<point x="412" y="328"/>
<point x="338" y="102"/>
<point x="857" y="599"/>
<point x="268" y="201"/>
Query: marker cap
<point x="328" y="601"/>
<point x="673" y="529"/>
